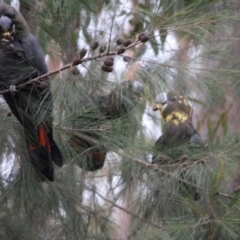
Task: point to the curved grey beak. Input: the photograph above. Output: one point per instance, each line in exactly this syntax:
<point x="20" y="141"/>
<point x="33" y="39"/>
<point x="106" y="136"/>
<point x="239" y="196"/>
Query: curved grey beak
<point x="5" y="23"/>
<point x="161" y="100"/>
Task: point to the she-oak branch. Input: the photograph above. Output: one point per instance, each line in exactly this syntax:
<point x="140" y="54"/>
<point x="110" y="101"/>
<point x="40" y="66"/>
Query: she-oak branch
<point x="69" y="65"/>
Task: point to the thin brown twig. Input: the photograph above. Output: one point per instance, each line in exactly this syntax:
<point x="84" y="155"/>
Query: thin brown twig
<point x="69" y="65"/>
<point x="224" y="195"/>
<point x="155" y="167"/>
<point x="127" y="211"/>
<point x="110" y="36"/>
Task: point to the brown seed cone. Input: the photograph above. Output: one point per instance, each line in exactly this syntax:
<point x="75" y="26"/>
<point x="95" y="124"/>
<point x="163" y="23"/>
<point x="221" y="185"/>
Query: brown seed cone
<point x="82" y="52"/>
<point x="102" y="49"/>
<point x="127" y="42"/>
<point x="94" y="45"/>
<point x="109" y="62"/>
<point x="76" y="61"/>
<point x="140" y="35"/>
<point x="144" y="38"/>
<point x="121" y="50"/>
<point x="107" y="68"/>
<point x="75" y="71"/>
<point x="119" y="41"/>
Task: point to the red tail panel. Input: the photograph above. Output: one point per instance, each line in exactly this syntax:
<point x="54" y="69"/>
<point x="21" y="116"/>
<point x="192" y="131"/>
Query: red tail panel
<point x="42" y="137"/>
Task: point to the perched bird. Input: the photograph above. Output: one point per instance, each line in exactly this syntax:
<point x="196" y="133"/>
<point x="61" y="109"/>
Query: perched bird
<point x="177" y="115"/>
<point x="22" y="59"/>
<point x="121" y="100"/>
<point x="179" y="140"/>
<point x="98" y="112"/>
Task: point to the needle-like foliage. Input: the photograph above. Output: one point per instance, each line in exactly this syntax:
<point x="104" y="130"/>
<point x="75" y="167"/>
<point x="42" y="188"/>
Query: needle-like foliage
<point x="108" y="187"/>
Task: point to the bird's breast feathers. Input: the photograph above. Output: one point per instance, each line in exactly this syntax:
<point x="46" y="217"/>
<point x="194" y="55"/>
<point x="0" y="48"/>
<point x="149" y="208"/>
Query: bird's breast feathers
<point x="176" y="118"/>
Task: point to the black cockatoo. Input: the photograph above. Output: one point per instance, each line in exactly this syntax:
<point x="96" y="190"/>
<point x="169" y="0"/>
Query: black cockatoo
<point x="22" y="59"/>
<point x="179" y="140"/>
<point x="97" y="112"/>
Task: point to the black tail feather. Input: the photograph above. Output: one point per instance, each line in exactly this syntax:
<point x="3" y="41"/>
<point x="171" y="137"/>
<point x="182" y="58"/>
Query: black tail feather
<point x="42" y="163"/>
<point x="56" y="154"/>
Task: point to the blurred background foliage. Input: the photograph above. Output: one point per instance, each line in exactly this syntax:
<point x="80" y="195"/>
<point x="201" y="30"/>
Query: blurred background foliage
<point x="194" y="50"/>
